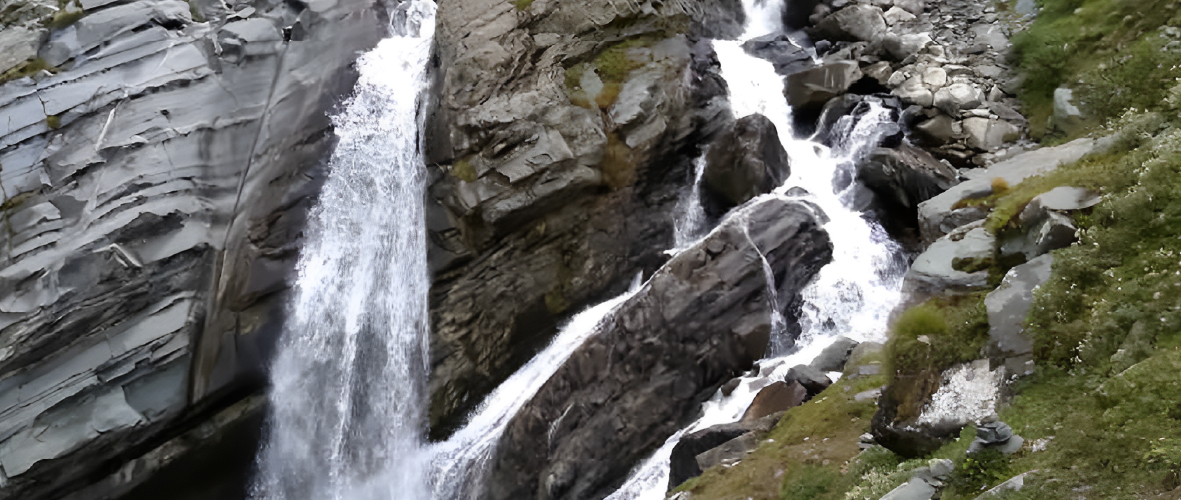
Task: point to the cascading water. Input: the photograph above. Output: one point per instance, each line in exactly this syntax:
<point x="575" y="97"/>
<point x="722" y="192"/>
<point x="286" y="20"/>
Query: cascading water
<point x="348" y="383"/>
<point x="854" y="294"/>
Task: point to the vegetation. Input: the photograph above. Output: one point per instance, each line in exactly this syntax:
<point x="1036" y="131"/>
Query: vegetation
<point x="611" y="66"/>
<point x="522" y="4"/>
<point x="29" y="68"/>
<point x="1112" y="52"/>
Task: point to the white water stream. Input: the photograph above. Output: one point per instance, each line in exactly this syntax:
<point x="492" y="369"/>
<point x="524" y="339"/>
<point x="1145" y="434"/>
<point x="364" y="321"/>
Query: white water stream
<point x="853" y="295"/>
<point x="349" y="380"/>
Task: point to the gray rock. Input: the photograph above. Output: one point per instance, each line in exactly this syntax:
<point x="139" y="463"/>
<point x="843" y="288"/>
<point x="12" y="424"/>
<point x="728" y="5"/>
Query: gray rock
<point x="905" y="176"/>
<point x="855" y="23"/>
<point x="154" y="225"/>
<point x="915" y="7"/>
<point x="913" y="91"/>
<point x="745" y="161"/>
<point x="994" y="432"/>
<point x="992" y="35"/>
<point x="860" y="354"/>
<point x="1137" y="347"/>
<point x="683" y="464"/>
<point x="729" y="452"/>
<point x="915" y="489"/>
<point x="904" y="46"/>
<point x="957" y="97"/>
<point x="833" y="357"/>
<point x="18" y="45"/>
<point x="1009" y="304"/>
<point x="641" y="374"/>
<point x="777" y="397"/>
<point x="989" y="135"/>
<point x="786" y="53"/>
<point x="810" y="89"/>
<point x="1015" y="483"/>
<point x="955" y="263"/>
<point x="896" y="15"/>
<point x="1060" y="199"/>
<point x="937" y="215"/>
<point x="812" y="379"/>
<point x="1067" y="117"/>
<point x="938" y="131"/>
<point x="935" y="77"/>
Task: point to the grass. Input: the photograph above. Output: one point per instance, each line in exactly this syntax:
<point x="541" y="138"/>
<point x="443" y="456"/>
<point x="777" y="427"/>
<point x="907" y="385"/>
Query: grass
<point x="1112" y="52"/>
<point x="612" y="65"/>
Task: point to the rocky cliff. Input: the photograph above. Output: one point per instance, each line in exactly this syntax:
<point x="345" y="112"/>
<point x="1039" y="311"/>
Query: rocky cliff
<point x="156" y="161"/>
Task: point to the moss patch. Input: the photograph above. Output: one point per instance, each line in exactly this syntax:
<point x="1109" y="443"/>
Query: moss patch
<point x="619" y="165"/>
<point x="613" y="64"/>
<point x="464" y="170"/>
<point x="29" y="68"/>
<point x="522" y="4"/>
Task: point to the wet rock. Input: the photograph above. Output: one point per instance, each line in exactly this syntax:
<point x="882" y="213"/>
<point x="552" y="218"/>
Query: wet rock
<point x="729" y="452"/>
<point x="787" y="52"/>
<point x="745" y="161"/>
<point x="833" y="357"/>
<point x="845" y="111"/>
<point x="955" y="263"/>
<point x="855" y="23"/>
<point x="939" y="215"/>
<point x="774" y="398"/>
<point x="810" y="89"/>
<point x="905" y="176"/>
<point x="683" y="464"/>
<point x="938" y="131"/>
<point x="1009" y="304"/>
<point x="645" y="371"/>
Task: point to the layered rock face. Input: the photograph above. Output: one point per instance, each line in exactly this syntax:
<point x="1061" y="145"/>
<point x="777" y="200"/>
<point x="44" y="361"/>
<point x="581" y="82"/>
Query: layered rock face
<point x="156" y="160"/>
<point x="703" y="317"/>
<point x="559" y="140"/>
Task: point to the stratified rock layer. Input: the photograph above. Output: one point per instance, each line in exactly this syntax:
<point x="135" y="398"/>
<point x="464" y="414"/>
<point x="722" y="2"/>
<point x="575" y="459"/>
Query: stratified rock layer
<point x="154" y="185"/>
<point x="702" y="317"/>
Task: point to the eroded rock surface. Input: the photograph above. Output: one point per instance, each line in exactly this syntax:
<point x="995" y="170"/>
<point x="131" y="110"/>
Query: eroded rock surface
<point x="702" y="318"/>
<point x="155" y="177"/>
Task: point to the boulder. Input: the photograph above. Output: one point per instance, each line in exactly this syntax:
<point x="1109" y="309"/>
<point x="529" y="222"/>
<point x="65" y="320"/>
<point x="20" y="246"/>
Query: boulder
<point x="787" y="52"/>
<point x="995" y="435"/>
<point x="854" y="23"/>
<point x="1044" y="223"/>
<point x="645" y="371"/>
<point x="938" y="216"/>
<point x="834" y="357"/>
<point x="683" y="464"/>
<point x="925" y="482"/>
<point x="810" y="378"/>
<point x="904" y="46"/>
<point x="915" y="7"/>
<point x="913" y="91"/>
<point x="955" y="263"/>
<point x="1067" y="117"/>
<point x="729" y="452"/>
<point x="1008" y="306"/>
<point x="843" y="112"/>
<point x="937" y="131"/>
<point x="989" y="135"/>
<point x="905" y="176"/>
<point x="896" y="15"/>
<point x="811" y="88"/>
<point x="777" y="397"/>
<point x="958" y="97"/>
<point x="745" y="161"/>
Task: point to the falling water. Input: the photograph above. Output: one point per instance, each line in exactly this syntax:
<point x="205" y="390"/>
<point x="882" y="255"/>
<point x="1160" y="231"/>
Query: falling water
<point x="348" y="382"/>
<point x="458" y="464"/>
<point x="854" y="294"/>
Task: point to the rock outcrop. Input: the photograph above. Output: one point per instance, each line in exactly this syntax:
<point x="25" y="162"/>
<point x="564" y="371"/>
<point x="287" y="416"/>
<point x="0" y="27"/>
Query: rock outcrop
<point x="702" y="318"/>
<point x="745" y="161"/>
<point x="559" y="138"/>
<point x="158" y="158"/>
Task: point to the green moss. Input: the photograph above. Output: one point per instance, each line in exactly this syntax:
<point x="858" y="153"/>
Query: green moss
<point x="619" y="167"/>
<point x="54" y="121"/>
<point x="522" y="4"/>
<point x="64" y="18"/>
<point x="613" y="64"/>
<point x="938" y="334"/>
<point x="463" y="170"/>
<point x="195" y="12"/>
<point x="29" y="68"/>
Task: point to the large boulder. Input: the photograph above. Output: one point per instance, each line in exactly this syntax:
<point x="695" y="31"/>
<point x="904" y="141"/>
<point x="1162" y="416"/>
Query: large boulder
<point x="789" y="53"/>
<point x="559" y="137"/>
<point x="987" y="134"/>
<point x="941" y="214"/>
<point x="905" y="176"/>
<point x="777" y="397"/>
<point x="958" y="97"/>
<point x="703" y="317"/>
<point x="834" y="357"/>
<point x="745" y="161"/>
<point x="1045" y="223"/>
<point x="955" y="263"/>
<point x="855" y="23"/>
<point x="808" y="90"/>
<point x="1008" y="306"/>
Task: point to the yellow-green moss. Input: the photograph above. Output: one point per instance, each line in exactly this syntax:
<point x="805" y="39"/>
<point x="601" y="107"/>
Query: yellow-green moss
<point x="619" y="166"/>
<point x="54" y="121"/>
<point x="64" y="18"/>
<point x="464" y="170"/>
<point x="522" y="4"/>
<point x="29" y="68"/>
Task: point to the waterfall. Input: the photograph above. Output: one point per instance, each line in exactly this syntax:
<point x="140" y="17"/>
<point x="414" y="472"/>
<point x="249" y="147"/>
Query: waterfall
<point x="851" y="296"/>
<point x="347" y="398"/>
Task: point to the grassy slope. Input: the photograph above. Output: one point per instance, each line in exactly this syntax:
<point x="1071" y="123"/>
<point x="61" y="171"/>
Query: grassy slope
<point x="1105" y="408"/>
